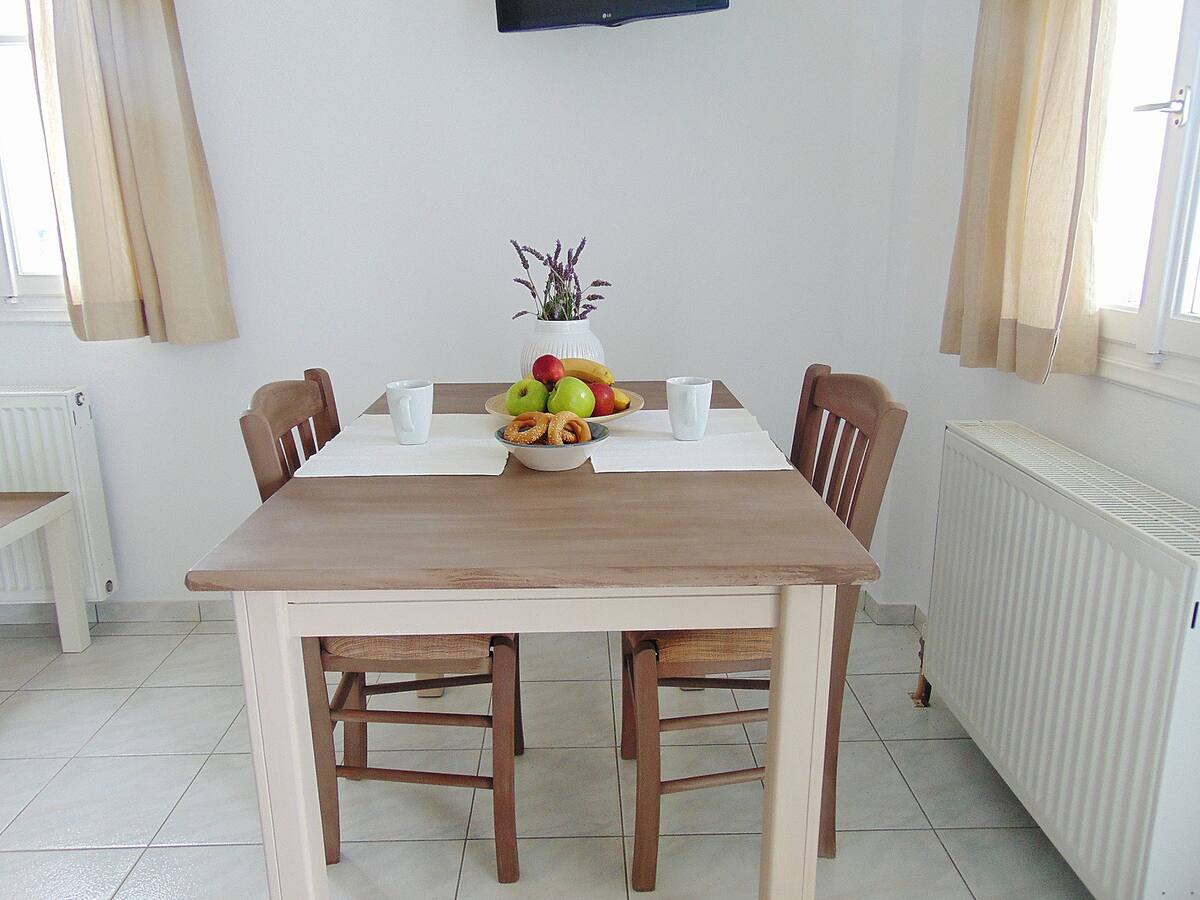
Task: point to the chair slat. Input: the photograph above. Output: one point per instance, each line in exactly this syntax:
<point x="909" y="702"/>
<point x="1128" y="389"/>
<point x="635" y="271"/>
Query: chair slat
<point x="288" y="440"/>
<point x="853" y="476"/>
<point x="825" y="454"/>
<point x="840" y="458"/>
<point x="306" y="439"/>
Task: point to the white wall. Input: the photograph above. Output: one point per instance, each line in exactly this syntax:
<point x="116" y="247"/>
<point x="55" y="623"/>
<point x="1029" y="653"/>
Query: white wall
<point x="1151" y="438"/>
<point x="732" y="171"/>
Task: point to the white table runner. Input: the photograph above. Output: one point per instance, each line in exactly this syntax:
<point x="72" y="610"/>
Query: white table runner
<point x="459" y="444"/>
<point x="733" y="442"/>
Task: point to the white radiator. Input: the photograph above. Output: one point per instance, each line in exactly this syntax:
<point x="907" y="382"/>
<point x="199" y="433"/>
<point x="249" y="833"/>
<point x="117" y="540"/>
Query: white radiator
<point x="48" y="443"/>
<point x="1063" y="634"/>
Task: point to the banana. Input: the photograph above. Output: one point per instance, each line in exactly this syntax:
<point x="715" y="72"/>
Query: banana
<point x="620" y="400"/>
<point x="587" y="370"/>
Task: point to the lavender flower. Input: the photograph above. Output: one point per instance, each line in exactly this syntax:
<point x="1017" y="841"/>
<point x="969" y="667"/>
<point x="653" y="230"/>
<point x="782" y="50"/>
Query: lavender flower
<point x="563" y="297"/>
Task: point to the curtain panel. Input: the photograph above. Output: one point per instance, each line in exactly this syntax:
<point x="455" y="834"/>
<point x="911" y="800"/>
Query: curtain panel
<point x="1020" y="292"/>
<point x="142" y="253"/>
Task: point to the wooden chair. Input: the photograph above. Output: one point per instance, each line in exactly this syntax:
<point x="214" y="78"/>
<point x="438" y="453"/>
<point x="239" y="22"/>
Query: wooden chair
<point x="847" y="432"/>
<point x="280" y="413"/>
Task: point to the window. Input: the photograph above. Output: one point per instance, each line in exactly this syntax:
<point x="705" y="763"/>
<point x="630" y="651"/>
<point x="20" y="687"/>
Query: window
<point x="31" y="282"/>
<point x="1147" y="270"/>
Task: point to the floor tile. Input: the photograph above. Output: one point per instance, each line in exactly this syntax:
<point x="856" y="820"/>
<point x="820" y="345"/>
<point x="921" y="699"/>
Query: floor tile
<point x="871" y="793"/>
<point x="472" y="698"/>
<point x="551" y="868"/>
<point x="116" y="801"/>
<point x="219" y="807"/>
<point x="215" y="626"/>
<point x="560" y="793"/>
<point x="237" y="738"/>
<point x="675" y="702"/>
<point x="4" y="695"/>
<point x="384" y="870"/>
<point x="64" y="874"/>
<point x="567" y="714"/>
<point x="704" y="867"/>
<point x="731" y="809"/>
<point x="20" y="780"/>
<point x="956" y="785"/>
<point x="614" y="654"/>
<point x="198" y="873"/>
<point x="887" y="703"/>
<point x="54" y="723"/>
<point x="883" y="649"/>
<point x="22" y="658"/>
<point x="168" y="720"/>
<point x="201" y="659"/>
<point x="32" y="630"/>
<point x="385" y="811"/>
<point x="115" y="629"/>
<point x="1012" y="863"/>
<point x="855" y="724"/>
<point x="581" y="656"/>
<point x="889" y="865"/>
<point x="110" y="662"/>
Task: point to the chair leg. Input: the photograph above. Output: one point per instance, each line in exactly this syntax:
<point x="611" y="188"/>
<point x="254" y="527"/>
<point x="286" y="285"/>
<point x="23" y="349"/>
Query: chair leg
<point x="354" y="734"/>
<point x="843" y="630"/>
<point x="649" y="768"/>
<point x="430" y="692"/>
<point x="628" y="715"/>
<point x="504" y="809"/>
<point x="519" y="733"/>
<point x="322" y="736"/>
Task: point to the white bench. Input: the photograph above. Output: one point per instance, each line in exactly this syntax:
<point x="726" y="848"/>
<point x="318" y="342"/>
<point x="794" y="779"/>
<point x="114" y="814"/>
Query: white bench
<point x="52" y="513"/>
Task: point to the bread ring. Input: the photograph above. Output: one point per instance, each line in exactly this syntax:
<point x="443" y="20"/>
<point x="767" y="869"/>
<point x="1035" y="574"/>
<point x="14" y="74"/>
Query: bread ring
<point x="527" y="428"/>
<point x="566" y="422"/>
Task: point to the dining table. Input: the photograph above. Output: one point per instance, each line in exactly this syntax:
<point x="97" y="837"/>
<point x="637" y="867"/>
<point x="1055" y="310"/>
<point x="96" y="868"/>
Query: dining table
<point x="530" y="551"/>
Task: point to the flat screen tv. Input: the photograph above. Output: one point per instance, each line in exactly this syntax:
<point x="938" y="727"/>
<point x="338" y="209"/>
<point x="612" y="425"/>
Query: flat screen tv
<point x="528" y="15"/>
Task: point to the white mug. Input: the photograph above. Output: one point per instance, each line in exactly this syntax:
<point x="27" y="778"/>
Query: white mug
<point x="411" y="406"/>
<point x="688" y="400"/>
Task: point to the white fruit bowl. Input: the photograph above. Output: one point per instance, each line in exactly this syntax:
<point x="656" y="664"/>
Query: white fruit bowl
<point x="554" y="457"/>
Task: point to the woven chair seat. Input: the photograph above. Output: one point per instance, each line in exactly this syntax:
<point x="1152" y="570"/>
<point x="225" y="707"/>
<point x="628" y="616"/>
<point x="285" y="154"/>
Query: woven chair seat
<point x="407" y="647"/>
<point x="709" y="644"/>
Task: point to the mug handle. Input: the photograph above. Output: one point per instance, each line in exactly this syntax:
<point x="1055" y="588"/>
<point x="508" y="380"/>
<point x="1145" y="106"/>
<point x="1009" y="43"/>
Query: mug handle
<point x="405" y="410"/>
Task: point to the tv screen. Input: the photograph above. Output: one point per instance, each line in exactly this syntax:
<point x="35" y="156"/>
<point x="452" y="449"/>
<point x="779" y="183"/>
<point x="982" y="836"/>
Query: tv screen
<point x="527" y="15"/>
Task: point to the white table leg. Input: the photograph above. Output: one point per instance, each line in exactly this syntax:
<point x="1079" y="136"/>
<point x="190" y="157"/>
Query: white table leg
<point x="62" y="552"/>
<point x="796" y="743"/>
<point x="281" y="745"/>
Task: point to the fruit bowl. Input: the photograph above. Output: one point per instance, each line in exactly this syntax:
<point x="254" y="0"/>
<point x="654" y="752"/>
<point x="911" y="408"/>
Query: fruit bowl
<point x="497" y="406"/>
<point x="554" y="457"/>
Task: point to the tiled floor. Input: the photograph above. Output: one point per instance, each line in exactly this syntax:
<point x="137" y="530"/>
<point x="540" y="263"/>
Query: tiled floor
<point x="125" y="771"/>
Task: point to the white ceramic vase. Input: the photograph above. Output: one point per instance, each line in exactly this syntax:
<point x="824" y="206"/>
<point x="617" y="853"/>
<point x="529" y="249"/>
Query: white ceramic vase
<point x="561" y="339"/>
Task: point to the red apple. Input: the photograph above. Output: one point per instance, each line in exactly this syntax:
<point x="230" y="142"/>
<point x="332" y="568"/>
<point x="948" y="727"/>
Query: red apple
<point x="606" y="403"/>
<point x="548" y="369"/>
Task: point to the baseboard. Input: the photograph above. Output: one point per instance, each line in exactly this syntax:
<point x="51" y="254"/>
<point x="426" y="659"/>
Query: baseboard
<point x="35" y="613"/>
<point x="219" y="608"/>
<point x="921" y="620"/>
<point x="888" y="613"/>
<point x="149" y="611"/>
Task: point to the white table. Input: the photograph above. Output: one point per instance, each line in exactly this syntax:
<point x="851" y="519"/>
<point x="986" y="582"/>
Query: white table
<point x="52" y="513"/>
<point x="436" y="554"/>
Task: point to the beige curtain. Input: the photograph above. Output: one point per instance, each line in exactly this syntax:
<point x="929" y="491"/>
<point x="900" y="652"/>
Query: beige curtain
<point x="1020" y="295"/>
<point x="141" y="244"/>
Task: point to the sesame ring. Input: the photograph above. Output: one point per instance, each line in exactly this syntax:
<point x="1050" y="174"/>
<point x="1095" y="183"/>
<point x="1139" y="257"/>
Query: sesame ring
<point x="527" y="428"/>
<point x="567" y="423"/>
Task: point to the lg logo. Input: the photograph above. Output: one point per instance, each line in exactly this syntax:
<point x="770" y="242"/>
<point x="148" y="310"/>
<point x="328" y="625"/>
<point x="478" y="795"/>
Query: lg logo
<point x="606" y="15"/>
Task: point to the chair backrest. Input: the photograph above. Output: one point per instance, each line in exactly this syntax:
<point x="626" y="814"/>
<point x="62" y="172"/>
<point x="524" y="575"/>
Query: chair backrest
<point x="279" y="413"/>
<point x="847" y="431"/>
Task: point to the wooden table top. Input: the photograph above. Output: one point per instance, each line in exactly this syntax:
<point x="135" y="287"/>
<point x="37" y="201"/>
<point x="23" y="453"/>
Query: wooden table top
<point x="14" y="506"/>
<point x="527" y="530"/>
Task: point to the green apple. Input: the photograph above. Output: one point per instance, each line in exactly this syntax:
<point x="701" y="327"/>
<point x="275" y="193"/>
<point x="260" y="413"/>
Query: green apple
<point x="527" y="395"/>
<point x="574" y="395"/>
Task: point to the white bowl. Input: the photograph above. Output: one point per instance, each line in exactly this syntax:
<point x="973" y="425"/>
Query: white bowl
<point x="554" y="457"/>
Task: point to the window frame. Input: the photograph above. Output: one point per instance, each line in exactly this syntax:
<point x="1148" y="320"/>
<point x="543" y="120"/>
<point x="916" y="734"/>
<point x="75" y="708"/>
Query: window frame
<point x="24" y="298"/>
<point x="1156" y="347"/>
